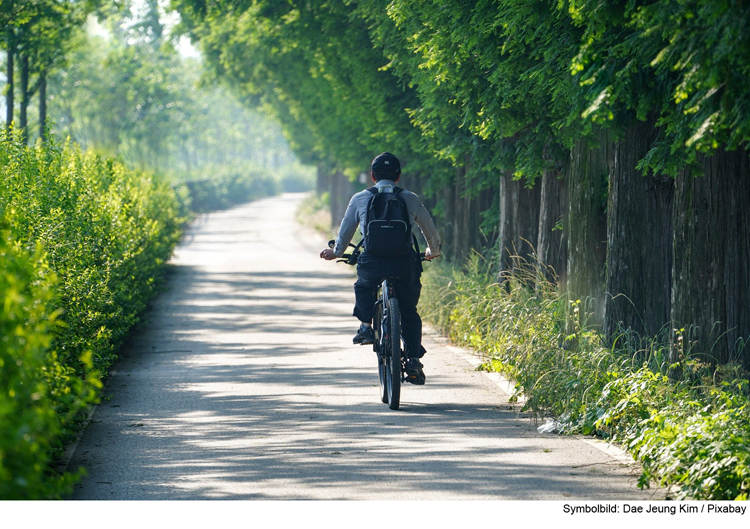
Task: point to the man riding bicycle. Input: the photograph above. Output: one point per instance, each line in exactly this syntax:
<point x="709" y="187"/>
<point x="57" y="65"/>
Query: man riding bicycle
<point x="372" y="269"/>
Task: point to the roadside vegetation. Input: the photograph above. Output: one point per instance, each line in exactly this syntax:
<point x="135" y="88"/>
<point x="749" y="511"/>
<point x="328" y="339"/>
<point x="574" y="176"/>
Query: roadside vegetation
<point x="608" y="139"/>
<point x="83" y="242"/>
<point x="313" y="212"/>
<point x="685" y="421"/>
<point x="130" y="145"/>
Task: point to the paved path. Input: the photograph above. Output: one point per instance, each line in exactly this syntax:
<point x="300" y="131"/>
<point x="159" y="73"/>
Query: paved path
<point x="243" y="384"/>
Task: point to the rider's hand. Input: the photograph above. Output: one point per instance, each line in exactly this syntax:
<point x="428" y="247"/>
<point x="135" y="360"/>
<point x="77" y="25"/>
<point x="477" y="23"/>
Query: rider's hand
<point x="428" y="255"/>
<point x="327" y="254"/>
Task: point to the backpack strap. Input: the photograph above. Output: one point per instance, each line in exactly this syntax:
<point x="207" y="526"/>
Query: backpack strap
<point x="374" y="191"/>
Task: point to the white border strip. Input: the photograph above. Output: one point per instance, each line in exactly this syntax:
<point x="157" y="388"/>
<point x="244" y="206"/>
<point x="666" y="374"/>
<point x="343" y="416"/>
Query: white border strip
<point x="508" y="387"/>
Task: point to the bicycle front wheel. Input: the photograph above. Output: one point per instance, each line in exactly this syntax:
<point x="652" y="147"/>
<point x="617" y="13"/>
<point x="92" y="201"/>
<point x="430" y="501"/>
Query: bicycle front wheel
<point x="393" y="353"/>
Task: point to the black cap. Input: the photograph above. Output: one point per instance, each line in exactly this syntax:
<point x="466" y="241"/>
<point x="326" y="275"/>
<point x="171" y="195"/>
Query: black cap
<point x="385" y="162"/>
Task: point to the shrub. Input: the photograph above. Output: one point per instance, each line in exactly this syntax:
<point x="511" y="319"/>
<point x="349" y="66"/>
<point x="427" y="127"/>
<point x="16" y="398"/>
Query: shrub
<point x="84" y="241"/>
<point x="39" y="396"/>
<point x="224" y="188"/>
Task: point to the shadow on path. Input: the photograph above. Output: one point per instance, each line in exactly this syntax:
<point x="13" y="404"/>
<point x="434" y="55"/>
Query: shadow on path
<point x="243" y="384"/>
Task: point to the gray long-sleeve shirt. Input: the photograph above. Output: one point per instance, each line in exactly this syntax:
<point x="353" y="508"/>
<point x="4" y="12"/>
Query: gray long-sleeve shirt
<point x="356" y="214"/>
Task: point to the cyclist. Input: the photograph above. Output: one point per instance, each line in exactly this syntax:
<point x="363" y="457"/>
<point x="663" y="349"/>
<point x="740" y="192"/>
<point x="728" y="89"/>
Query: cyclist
<point x="385" y="173"/>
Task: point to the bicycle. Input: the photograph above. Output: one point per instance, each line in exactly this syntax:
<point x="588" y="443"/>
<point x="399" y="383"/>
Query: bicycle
<point x="387" y="327"/>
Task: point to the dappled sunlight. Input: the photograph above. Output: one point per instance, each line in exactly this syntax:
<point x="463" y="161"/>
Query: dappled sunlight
<point x="244" y="384"/>
<point x="298" y="431"/>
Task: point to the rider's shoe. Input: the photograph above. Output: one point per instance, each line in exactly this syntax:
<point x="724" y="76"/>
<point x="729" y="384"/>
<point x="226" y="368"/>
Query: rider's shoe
<point x="364" y="336"/>
<point x="414" y="373"/>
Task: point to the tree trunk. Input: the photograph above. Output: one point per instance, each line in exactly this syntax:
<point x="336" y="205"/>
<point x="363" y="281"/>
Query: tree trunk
<point x="711" y="273"/>
<point x="341" y="191"/>
<point x="321" y="180"/>
<point x="506" y="228"/>
<point x="466" y="233"/>
<point x="639" y="240"/>
<point x="551" y="246"/>
<point x="460" y="225"/>
<point x="22" y="118"/>
<point x="415" y="182"/>
<point x="527" y="219"/>
<point x="449" y="220"/>
<point x="459" y="236"/>
<point x="9" y="102"/>
<point x="587" y="224"/>
<point x="43" y="106"/>
<point x="519" y="221"/>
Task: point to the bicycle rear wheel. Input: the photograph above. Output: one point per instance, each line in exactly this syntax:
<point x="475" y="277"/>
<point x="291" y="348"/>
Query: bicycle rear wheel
<point x="392" y="339"/>
<point x="380" y="349"/>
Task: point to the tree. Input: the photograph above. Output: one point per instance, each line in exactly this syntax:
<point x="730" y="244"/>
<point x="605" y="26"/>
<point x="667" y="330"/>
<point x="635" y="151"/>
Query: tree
<point x="605" y="102"/>
<point x="670" y="77"/>
<point x="288" y="55"/>
<point x="39" y="35"/>
<point x="132" y="95"/>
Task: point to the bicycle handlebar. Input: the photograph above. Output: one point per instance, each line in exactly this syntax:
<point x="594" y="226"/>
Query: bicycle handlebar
<point x="351" y="258"/>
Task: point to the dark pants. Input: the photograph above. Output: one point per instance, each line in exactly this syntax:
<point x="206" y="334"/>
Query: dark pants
<point x="371" y="271"/>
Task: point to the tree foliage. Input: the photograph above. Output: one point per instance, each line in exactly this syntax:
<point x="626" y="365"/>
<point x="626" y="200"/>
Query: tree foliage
<point x="508" y="83"/>
<point x="341" y="107"/>
<point x="685" y="61"/>
<point x="38" y="35"/>
<point x="130" y="93"/>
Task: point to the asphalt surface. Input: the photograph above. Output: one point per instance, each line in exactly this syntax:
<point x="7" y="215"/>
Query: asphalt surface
<point x="243" y="384"/>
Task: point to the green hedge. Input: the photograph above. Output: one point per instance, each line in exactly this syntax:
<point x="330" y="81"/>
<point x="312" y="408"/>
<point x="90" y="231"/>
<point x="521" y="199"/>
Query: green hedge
<point x="686" y="422"/>
<point x="83" y="242"/>
<point x="29" y="393"/>
<point x="224" y="189"/>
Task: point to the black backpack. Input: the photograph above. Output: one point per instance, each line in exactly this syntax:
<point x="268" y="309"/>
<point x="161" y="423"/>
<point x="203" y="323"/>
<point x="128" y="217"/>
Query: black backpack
<point x="387" y="225"/>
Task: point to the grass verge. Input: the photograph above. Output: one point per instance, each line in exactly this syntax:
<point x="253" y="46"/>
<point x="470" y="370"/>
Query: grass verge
<point x="690" y="433"/>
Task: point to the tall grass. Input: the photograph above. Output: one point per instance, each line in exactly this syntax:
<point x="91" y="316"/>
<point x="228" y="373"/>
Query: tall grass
<point x="688" y="423"/>
<point x="314" y="213"/>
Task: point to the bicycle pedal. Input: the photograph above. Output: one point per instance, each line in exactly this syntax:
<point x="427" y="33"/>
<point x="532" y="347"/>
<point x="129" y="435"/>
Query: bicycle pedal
<point x="416" y="381"/>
